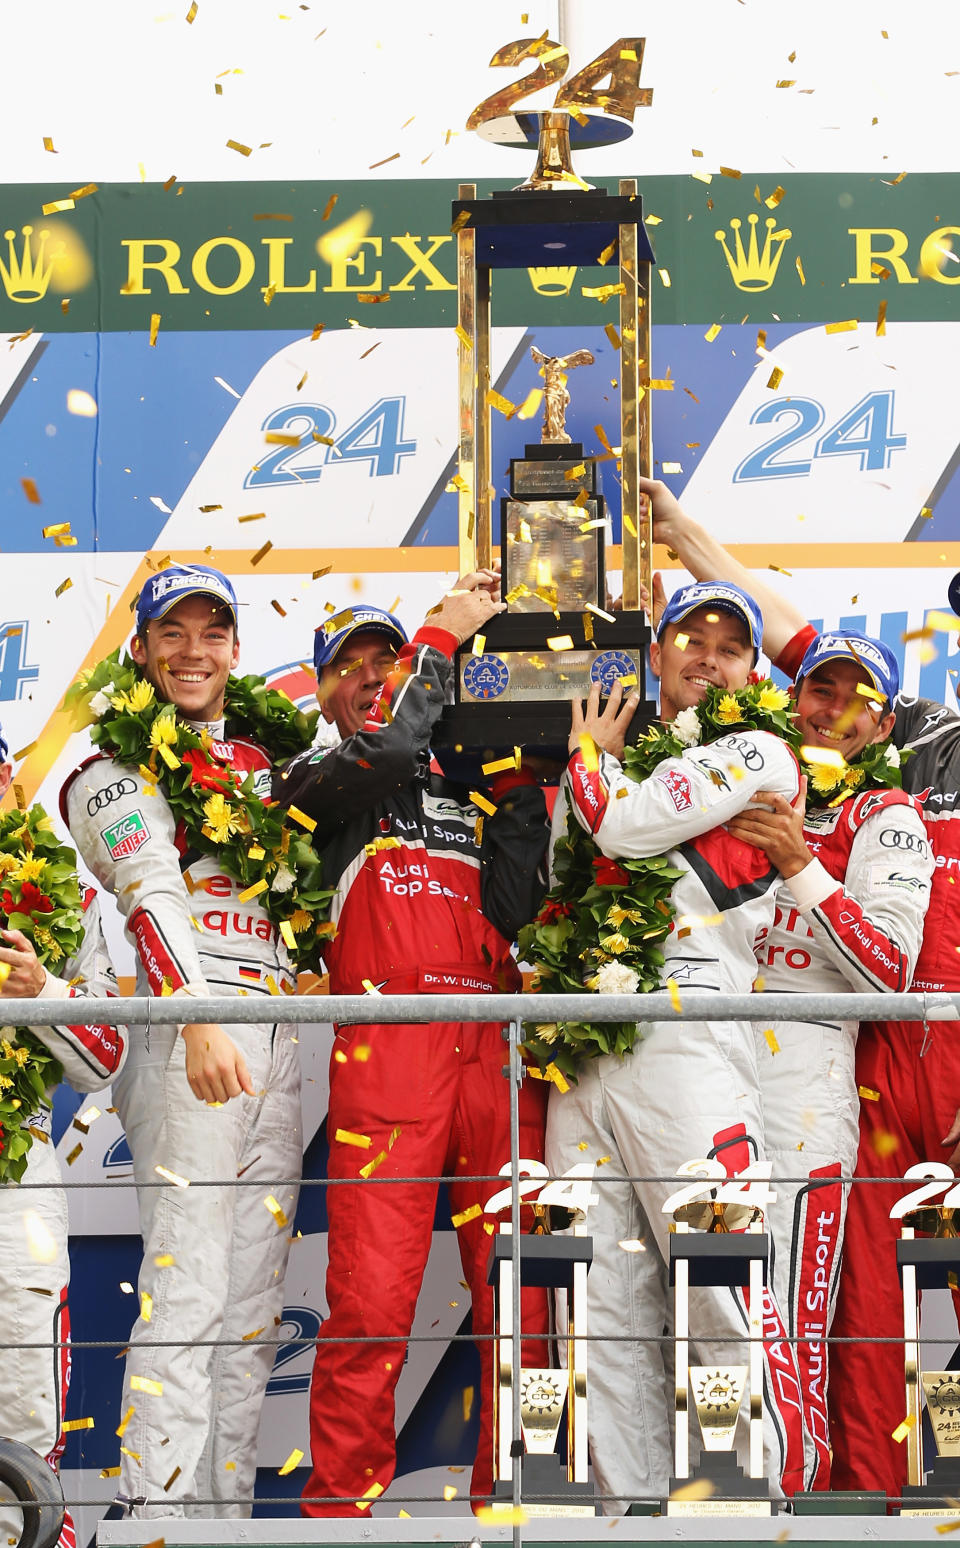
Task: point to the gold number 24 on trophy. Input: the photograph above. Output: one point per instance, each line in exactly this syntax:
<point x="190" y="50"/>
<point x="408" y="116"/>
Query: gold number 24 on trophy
<point x="622" y="62"/>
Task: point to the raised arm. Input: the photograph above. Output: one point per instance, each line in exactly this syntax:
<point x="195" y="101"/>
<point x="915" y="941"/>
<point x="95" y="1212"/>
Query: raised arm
<point x="706" y="559"/>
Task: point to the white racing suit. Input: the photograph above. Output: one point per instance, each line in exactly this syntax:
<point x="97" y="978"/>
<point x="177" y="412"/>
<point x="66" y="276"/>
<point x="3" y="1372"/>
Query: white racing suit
<point x="211" y="1282"/>
<point x="688" y="1090"/>
<point x="850" y="922"/>
<point x="33" y="1228"/>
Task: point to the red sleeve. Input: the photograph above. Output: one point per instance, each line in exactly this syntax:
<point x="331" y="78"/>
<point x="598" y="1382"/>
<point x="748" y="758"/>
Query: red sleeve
<point x="510" y="779"/>
<point x="794" y="651"/>
<point x="440" y="639"/>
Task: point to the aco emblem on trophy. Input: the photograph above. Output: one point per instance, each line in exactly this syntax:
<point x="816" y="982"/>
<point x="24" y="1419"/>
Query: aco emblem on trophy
<point x="557" y="637"/>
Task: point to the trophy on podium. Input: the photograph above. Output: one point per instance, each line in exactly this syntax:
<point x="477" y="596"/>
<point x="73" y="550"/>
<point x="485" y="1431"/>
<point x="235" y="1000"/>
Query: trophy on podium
<point x="709" y="1246"/>
<point x="925" y="1263"/>
<point x="557" y="637"/>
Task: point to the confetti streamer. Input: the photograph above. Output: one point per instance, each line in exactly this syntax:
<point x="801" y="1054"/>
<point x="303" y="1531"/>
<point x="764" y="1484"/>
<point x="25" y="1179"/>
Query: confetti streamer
<point x="77" y="1424"/>
<point x="849" y="326"/>
<point x="30" y="490"/>
<point x="867" y="1094"/>
<point x="903" y="1428"/>
<point x="472" y="1212"/>
<point x="154" y="327"/>
<point x="771" y="1038"/>
<point x="244" y="150"/>
<point x="293" y="1460"/>
<point x="144" y="1384"/>
<point x="347" y="1137"/>
<point x="276" y="1211"/>
<point x="172" y="1177"/>
<point x="485" y="806"/>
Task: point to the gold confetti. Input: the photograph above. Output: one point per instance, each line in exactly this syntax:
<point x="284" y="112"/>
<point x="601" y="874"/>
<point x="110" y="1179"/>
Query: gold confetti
<point x="301" y="817"/>
<point x="671" y="467"/>
<point x="276" y="1211"/>
<point x="799" y="267"/>
<point x="503" y="405"/>
<point x="293" y="1460"/>
<point x="57" y="531"/>
<point x="289" y="939"/>
<point x="191" y="14"/>
<point x="498" y="767"/>
<point x="144" y="1384"/>
<point x="30" y="490"/>
<point x="48" y="145"/>
<point x="172" y="1479"/>
<point x="588" y="752"/>
<point x="780" y="570"/>
<point x="328" y="207"/>
<point x="612" y="335"/>
<point x="146" y="1306"/>
<point x="369" y="987"/>
<point x="371" y="299"/>
<point x="463" y="219"/>
<point x="592" y="607"/>
<point x="607" y="253"/>
<point x="771" y="1038"/>
<point x="347" y="1137"/>
<point x="24" y="751"/>
<point x="261" y="553"/>
<point x="165" y="1260"/>
<point x="867" y="1094"/>
<point x="713" y="332"/>
<point x="881" y="332"/>
<point x="244" y="150"/>
<point x="560" y="642"/>
<point x="479" y="645"/>
<point x="772" y="200"/>
<point x="696" y="1489"/>
<point x="664" y="276"/>
<point x="57" y="205"/>
<point x="884" y="1143"/>
<point x="383" y="161"/>
<point x="480" y="800"/>
<point x="82" y="193"/>
<point x="110" y="1472"/>
<point x="530" y="403"/>
<point x="470" y="1213"/>
<point x="450" y="1491"/>
<point x="674" y="994"/>
<point x="281" y="438"/>
<point x="464" y="336"/>
<point x="603" y="292"/>
<point x="730" y="172"/>
<point x="74" y="1153"/>
<point x="467" y="1404"/>
<point x="776" y="377"/>
<point x="154" y="326"/>
<point x="903" y="1428"/>
<point x="849" y="326"/>
<point x="77" y="1424"/>
<point x="125" y="1420"/>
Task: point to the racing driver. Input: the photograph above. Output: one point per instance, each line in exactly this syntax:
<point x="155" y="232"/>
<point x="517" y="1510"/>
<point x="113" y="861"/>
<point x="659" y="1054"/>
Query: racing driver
<point x="204" y="1106"/>
<point x="689" y="1090"/>
<point x="430" y="894"/>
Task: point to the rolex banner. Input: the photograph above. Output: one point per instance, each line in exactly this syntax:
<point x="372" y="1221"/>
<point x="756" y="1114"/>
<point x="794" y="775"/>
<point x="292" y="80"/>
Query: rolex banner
<point x="264" y="376"/>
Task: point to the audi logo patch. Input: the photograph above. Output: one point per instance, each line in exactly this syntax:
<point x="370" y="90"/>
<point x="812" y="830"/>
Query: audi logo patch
<point x="101" y="799"/>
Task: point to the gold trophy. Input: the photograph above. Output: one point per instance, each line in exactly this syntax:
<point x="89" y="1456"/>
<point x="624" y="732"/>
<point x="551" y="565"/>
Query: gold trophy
<point x="928" y="1262"/>
<point x="557" y="637"/>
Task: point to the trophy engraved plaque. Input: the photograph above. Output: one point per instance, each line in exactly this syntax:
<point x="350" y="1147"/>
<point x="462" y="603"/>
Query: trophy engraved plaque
<point x="717" y="1395"/>
<point x="557" y="636"/>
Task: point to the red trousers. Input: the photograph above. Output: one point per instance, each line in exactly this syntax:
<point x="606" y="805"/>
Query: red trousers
<point x="916" y="1072"/>
<point x="432" y="1101"/>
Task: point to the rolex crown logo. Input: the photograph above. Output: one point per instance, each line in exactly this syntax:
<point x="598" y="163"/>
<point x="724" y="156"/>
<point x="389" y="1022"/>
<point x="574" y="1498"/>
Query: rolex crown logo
<point x="552" y="282"/>
<point x="26" y="275"/>
<point x="753" y="269"/>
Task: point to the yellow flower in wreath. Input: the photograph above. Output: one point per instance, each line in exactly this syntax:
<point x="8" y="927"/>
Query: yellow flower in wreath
<point x="27" y="868"/>
<point x="163" y="732"/>
<point x="824" y="778"/>
<point x="300" y="921"/>
<point x="771" y="697"/>
<point x="728" y="710"/>
<point x="221" y="819"/>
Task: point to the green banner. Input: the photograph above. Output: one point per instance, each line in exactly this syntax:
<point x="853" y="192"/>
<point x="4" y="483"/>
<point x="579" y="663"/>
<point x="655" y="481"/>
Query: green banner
<point x="245" y="255"/>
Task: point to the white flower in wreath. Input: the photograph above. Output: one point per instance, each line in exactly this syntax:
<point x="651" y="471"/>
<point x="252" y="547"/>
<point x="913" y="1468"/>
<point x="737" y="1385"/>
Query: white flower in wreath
<point x="686" y="727"/>
<point x="100" y="702"/>
<point x="283" y="880"/>
<point x="892" y="757"/>
<point x="616" y="978"/>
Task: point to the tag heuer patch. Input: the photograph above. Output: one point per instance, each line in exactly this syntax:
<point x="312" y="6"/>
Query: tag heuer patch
<point x="125" y="837"/>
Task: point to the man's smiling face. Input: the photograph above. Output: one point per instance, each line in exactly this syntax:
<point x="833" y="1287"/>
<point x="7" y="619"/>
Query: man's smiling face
<point x="832" y="713"/>
<point x="708" y="648"/>
<point x="188" y="654"/>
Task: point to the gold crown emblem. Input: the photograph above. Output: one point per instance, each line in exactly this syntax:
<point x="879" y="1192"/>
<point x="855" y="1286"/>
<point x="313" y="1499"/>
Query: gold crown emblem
<point x="753" y="269"/>
<point x="26" y="277"/>
<point x="552" y="282"/>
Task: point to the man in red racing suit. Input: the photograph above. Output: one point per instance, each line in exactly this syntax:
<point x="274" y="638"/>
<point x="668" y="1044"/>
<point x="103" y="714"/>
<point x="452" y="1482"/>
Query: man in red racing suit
<point x="430" y="894"/>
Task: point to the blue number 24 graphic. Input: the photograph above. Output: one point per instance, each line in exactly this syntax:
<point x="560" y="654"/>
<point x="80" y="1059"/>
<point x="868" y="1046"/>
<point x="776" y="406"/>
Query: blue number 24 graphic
<point x="865" y="431"/>
<point x="376" y="438"/>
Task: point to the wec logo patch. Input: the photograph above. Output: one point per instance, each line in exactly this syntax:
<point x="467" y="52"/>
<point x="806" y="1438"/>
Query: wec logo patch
<point x="125" y="837"/>
<point x="679" y="788"/>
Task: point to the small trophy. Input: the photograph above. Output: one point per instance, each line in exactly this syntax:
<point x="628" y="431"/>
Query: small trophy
<point x="548" y="1485"/>
<point x="718" y="1252"/>
<point x="514" y="683"/>
<point x="930" y="1262"/>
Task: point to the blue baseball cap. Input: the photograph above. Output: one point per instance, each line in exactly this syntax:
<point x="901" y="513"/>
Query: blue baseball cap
<point x="164" y="590"/>
<point x="876" y="659"/>
<point x="720" y="594"/>
<point x="333" y="634"/>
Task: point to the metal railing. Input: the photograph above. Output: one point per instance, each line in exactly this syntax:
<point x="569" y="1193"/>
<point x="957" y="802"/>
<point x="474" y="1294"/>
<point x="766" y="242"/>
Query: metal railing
<point x="511" y="1010"/>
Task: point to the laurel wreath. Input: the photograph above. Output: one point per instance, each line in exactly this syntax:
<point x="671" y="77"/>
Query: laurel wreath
<point x="270" y="857"/>
<point x="602" y="924"/>
<point x="40" y="896"/>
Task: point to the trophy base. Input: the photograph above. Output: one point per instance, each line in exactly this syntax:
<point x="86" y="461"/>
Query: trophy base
<point x="732" y="1493"/>
<point x="547" y="1491"/>
<point x="939" y="1496"/>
